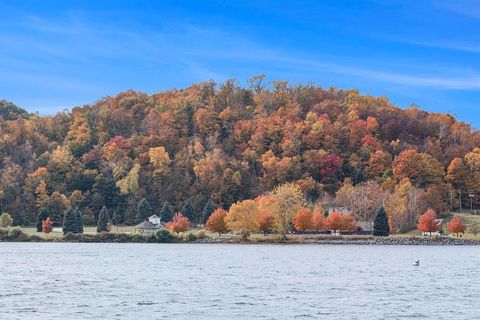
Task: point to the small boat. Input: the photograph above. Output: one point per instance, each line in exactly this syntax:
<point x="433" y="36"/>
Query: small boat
<point x="417" y="263"/>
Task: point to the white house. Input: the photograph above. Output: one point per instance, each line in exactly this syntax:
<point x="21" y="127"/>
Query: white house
<point x="155" y="220"/>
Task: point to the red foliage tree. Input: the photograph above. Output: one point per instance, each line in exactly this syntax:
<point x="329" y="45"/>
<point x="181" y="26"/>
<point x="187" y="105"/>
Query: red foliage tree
<point x="428" y="222"/>
<point x="47" y="226"/>
<point x="318" y="220"/>
<point x="337" y="221"/>
<point x="179" y="223"/>
<point x="303" y="219"/>
<point x="456" y="226"/>
<point x="265" y="222"/>
<point x="216" y="222"/>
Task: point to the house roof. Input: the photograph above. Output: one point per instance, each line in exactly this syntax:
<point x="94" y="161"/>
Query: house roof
<point x="145" y="225"/>
<point x="153" y="216"/>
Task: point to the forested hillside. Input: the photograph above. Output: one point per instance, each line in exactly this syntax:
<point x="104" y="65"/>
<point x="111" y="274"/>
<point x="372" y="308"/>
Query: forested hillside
<point x="230" y="143"/>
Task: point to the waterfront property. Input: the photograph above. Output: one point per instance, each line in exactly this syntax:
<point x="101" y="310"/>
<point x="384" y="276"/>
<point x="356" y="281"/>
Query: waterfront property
<point x="147" y="227"/>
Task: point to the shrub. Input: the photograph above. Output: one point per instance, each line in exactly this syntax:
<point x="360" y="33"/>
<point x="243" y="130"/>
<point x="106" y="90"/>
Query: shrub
<point x="188" y="236"/>
<point x="163" y="235"/>
<point x="200" y="234"/>
<point x="5" y="220"/>
<point x="179" y="223"/>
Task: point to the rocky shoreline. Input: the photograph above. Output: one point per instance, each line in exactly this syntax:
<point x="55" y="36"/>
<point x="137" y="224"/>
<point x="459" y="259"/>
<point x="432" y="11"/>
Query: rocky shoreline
<point x="367" y="241"/>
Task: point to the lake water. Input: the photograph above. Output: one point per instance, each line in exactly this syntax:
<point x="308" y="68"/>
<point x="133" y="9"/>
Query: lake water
<point x="191" y="281"/>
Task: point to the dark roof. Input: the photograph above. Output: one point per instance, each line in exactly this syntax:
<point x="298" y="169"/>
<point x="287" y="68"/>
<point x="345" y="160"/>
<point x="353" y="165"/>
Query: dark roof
<point x="145" y="225"/>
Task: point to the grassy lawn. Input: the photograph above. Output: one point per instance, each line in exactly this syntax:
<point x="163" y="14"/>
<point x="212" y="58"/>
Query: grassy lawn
<point x="467" y="218"/>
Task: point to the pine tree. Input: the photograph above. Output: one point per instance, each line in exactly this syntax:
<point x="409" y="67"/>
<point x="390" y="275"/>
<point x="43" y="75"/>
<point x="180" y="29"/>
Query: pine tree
<point x="102" y="223"/>
<point x="79" y="220"/>
<point x="208" y="209"/>
<point x="41" y="216"/>
<point x="144" y="210"/>
<point x="166" y="213"/>
<point x="118" y="216"/>
<point x="69" y="223"/>
<point x="188" y="210"/>
<point x="380" y="223"/>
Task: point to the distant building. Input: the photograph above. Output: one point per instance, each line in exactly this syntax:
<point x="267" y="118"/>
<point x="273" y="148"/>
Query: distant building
<point x="146" y="227"/>
<point x="338" y="209"/>
<point x="365" y="226"/>
<point x="154" y="219"/>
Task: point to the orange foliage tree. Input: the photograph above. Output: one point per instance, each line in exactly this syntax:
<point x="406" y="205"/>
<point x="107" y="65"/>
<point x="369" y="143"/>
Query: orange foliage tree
<point x="266" y="219"/>
<point x="302" y="220"/>
<point x="47" y="226"/>
<point x="456" y="226"/>
<point x="337" y="221"/>
<point x="216" y="222"/>
<point x="428" y="222"/>
<point x="179" y="223"/>
<point x="318" y="219"/>
<point x="265" y="222"/>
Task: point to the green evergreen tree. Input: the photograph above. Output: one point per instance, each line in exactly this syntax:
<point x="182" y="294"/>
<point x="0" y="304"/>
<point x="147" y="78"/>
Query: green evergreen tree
<point x="130" y="216"/>
<point x="188" y="210"/>
<point x="380" y="223"/>
<point x="103" y="218"/>
<point x="166" y="212"/>
<point x="118" y="216"/>
<point x="41" y="216"/>
<point x="144" y="210"/>
<point x="69" y="221"/>
<point x="79" y="220"/>
<point x="208" y="209"/>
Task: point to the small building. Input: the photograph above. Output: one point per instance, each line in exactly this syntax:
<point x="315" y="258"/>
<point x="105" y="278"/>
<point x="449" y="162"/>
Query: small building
<point x="154" y="219"/>
<point x="343" y="210"/>
<point x="365" y="226"/>
<point x="146" y="227"/>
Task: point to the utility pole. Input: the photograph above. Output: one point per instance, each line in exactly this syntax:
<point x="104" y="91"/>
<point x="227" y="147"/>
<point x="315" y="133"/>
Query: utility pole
<point x="460" y="191"/>
<point x="471" y="195"/>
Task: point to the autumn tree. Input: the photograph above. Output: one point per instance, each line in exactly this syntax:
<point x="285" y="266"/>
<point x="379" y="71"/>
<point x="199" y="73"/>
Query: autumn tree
<point x="318" y="219"/>
<point x="41" y="216"/>
<point x="380" y="223"/>
<point x="208" y="209"/>
<point x="103" y="219"/>
<point x="47" y="226"/>
<point x="179" y="223"/>
<point x="474" y="229"/>
<point x="337" y="221"/>
<point x="456" y="225"/>
<point x="287" y="200"/>
<point x="242" y="217"/>
<point x="6" y="220"/>
<point x="217" y="222"/>
<point x="302" y="220"/>
<point x="428" y="222"/>
<point x="421" y="168"/>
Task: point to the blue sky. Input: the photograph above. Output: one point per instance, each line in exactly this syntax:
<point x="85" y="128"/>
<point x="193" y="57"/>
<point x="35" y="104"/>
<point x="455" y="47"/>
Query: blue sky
<point x="59" y="54"/>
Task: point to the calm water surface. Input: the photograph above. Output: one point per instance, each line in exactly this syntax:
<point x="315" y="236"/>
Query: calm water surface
<point x="152" y="281"/>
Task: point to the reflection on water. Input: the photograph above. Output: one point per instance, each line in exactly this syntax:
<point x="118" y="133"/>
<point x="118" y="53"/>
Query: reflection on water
<point x="188" y="281"/>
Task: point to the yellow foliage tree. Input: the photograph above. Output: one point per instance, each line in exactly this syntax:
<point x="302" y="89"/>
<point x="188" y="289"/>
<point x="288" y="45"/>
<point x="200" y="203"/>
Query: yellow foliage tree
<point x="243" y="217"/>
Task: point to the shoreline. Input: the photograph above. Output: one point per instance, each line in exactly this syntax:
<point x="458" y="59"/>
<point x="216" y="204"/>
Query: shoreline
<point x="18" y="236"/>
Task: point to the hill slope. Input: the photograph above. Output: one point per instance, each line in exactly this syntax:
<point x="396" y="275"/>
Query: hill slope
<point x="227" y="143"/>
